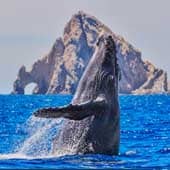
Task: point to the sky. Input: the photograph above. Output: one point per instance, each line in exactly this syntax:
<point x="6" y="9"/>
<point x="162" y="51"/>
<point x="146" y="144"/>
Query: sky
<point x="29" y="28"/>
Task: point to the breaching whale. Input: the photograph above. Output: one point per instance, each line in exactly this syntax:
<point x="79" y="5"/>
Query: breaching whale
<point x="92" y="123"/>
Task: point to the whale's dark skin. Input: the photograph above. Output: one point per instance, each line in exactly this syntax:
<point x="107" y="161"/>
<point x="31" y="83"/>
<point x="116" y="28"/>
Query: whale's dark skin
<point x="92" y="122"/>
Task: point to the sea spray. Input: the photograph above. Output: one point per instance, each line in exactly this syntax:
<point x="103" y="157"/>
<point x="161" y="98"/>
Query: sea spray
<point x="41" y="133"/>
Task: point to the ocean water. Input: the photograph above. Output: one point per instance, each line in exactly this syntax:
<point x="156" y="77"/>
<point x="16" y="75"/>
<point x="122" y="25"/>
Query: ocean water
<point x="26" y="141"/>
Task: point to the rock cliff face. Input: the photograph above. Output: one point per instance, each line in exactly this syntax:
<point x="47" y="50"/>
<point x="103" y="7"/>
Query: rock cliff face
<point x="156" y="82"/>
<point x="61" y="69"/>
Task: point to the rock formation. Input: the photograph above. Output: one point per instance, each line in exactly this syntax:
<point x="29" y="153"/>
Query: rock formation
<point x="156" y="83"/>
<point x="41" y="71"/>
<point x="61" y="69"/>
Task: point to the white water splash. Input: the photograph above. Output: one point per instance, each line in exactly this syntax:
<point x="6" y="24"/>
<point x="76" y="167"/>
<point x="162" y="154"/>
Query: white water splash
<point x="41" y="134"/>
<point x="14" y="156"/>
<point x="23" y="156"/>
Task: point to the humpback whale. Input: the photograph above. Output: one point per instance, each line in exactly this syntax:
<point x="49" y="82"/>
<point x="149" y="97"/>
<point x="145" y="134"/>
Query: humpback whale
<point x="92" y="123"/>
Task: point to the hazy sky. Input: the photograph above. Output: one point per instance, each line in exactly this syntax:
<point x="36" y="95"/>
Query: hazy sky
<point x="28" y="28"/>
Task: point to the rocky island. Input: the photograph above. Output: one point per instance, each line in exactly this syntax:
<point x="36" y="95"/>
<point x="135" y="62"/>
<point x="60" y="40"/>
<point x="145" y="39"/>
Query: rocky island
<point x="61" y="69"/>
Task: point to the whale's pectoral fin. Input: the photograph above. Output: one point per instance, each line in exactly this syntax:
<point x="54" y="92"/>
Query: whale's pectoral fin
<point x="73" y="112"/>
<point x="48" y="113"/>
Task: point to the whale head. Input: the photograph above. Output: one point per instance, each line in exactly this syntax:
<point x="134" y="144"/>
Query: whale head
<point x="101" y="75"/>
<point x="108" y="73"/>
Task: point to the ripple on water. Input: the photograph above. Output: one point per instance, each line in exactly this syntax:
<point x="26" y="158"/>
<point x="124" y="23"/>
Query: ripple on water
<point x="145" y="135"/>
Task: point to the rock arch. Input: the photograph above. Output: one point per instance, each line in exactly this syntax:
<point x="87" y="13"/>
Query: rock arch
<point x="25" y="78"/>
<point x="40" y="73"/>
<point x="29" y="88"/>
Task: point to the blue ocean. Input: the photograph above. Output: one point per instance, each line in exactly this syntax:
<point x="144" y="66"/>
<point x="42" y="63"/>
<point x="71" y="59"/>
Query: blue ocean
<point x="26" y="141"/>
